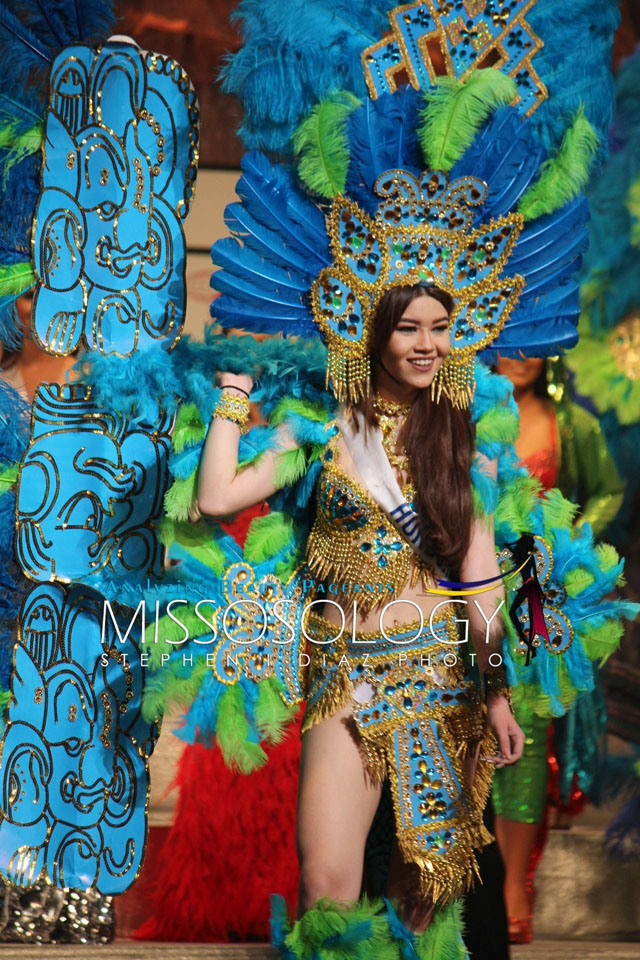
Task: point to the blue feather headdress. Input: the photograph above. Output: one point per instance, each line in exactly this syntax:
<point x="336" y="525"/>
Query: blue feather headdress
<point x="507" y="152"/>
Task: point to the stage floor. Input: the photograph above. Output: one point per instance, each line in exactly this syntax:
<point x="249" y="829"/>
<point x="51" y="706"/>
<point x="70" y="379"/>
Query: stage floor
<point x="130" y="950"/>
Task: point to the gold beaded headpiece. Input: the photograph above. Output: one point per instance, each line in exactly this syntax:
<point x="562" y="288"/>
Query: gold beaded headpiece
<point x="423" y="233"/>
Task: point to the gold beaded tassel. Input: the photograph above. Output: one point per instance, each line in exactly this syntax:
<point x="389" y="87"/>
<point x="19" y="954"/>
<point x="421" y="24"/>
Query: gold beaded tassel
<point x="456" y="379"/>
<point x="348" y="374"/>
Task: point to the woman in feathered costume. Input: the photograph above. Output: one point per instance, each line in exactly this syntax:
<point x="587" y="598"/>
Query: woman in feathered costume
<point x="407" y="275"/>
<point x="402" y="427"/>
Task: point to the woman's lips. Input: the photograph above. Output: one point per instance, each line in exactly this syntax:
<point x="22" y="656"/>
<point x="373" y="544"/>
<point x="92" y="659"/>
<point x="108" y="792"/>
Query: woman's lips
<point x="419" y="363"/>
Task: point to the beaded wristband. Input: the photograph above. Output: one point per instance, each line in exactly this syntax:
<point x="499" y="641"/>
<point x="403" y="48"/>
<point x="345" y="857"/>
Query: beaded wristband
<point x="495" y="681"/>
<point x="233" y="408"/>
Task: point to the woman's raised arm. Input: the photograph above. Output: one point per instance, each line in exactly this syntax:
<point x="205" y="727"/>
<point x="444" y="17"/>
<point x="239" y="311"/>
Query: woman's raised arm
<point x="222" y="488"/>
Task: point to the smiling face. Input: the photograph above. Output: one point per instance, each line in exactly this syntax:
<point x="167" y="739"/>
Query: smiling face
<point x="418" y="343"/>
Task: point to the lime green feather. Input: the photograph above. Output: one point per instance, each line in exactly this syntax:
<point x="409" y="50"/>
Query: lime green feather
<point x="19" y="147"/>
<point x="181" y="497"/>
<point x="557" y="511"/>
<point x="442" y="940"/>
<point x="16" y="278"/>
<point x="602" y="641"/>
<point x="577" y="580"/>
<point x="290" y="466"/>
<point x="608" y="557"/>
<point x="232" y="731"/>
<point x="313" y="933"/>
<point x="171" y="632"/>
<point x="189" y="428"/>
<point x="267" y="536"/>
<point x="271" y="712"/>
<point x="530" y="695"/>
<point x="285" y="568"/>
<point x="497" y="425"/>
<point x="454" y="112"/>
<point x="322" y="145"/>
<point x="315" y="411"/>
<point x="516" y="502"/>
<point x="9" y="476"/>
<point x="564" y="176"/>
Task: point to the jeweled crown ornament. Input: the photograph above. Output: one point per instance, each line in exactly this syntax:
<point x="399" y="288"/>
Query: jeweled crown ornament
<point x="422" y="233"/>
<point x="465" y="33"/>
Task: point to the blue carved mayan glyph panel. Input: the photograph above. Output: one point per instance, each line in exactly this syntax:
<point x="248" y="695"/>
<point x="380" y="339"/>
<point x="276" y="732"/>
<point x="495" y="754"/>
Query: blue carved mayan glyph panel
<point x="119" y="168"/>
<point x="74" y="777"/>
<point x="90" y="489"/>
<point x="462" y="34"/>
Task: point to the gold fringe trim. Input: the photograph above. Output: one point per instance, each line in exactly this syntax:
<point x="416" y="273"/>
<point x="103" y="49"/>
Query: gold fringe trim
<point x="445" y="878"/>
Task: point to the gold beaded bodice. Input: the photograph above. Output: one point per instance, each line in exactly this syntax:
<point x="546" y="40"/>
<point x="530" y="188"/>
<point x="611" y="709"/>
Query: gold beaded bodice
<point x="352" y="540"/>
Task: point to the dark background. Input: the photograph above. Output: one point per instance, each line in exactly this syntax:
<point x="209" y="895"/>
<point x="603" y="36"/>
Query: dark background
<point x="198" y="34"/>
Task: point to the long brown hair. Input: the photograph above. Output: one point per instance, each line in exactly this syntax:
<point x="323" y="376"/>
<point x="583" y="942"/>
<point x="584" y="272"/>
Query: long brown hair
<point x="439" y="440"/>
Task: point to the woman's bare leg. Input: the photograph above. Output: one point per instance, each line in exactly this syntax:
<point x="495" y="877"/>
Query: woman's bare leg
<point x="516" y="841"/>
<point x="404" y="887"/>
<point x="336" y="805"/>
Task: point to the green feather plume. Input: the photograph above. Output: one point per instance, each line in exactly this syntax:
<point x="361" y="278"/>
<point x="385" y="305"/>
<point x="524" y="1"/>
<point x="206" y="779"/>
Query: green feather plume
<point x="442" y="940"/>
<point x="8" y="476"/>
<point x="290" y="466"/>
<point x="602" y="641"/>
<point x="267" y="536"/>
<point x="322" y="145"/>
<point x="455" y="111"/>
<point x="608" y="557"/>
<point x="18" y="146"/>
<point x="171" y="632"/>
<point x="271" y="712"/>
<point x="16" y="278"/>
<point x="305" y="408"/>
<point x="497" y="425"/>
<point x="557" y="511"/>
<point x="189" y="428"/>
<point x="515" y="504"/>
<point x="181" y="497"/>
<point x="564" y="176"/>
<point x="232" y="730"/>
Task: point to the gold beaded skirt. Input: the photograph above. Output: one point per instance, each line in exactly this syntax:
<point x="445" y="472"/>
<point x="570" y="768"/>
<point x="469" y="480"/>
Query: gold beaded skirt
<point x="421" y="724"/>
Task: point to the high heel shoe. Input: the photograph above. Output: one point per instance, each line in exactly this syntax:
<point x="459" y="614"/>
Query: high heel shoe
<point x="521" y="929"/>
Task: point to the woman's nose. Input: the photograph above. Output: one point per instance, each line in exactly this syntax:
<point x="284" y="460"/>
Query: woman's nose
<point x="425" y="341"/>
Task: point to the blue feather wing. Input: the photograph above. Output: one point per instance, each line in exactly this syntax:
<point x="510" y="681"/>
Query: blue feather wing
<point x="382" y="136"/>
<point x="505" y="156"/>
<point x="548" y="254"/>
<point x="264" y="241"/>
<point x="248" y="291"/>
<point x="241" y="261"/>
<point x="262" y="318"/>
<point x="279" y="245"/>
<point x="269" y="194"/>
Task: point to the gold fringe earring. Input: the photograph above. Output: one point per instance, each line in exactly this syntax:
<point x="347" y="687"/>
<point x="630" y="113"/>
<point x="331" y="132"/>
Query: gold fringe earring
<point x="455" y="379"/>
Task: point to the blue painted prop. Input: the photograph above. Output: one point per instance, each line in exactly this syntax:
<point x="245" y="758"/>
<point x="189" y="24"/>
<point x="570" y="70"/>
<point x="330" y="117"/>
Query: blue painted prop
<point x="90" y="489"/>
<point x="120" y="160"/>
<point x="75" y="751"/>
